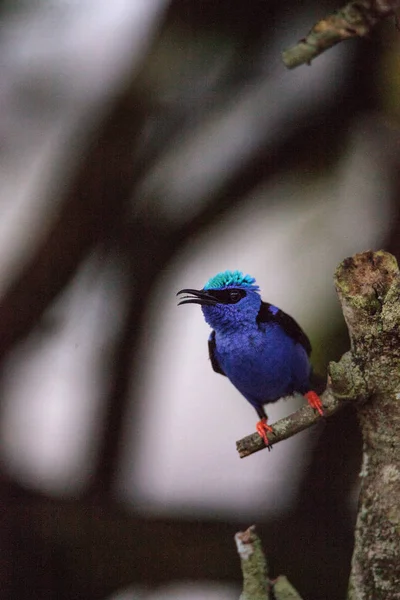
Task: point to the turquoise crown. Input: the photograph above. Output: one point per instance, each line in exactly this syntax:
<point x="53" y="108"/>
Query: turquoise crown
<point x="231" y="279"/>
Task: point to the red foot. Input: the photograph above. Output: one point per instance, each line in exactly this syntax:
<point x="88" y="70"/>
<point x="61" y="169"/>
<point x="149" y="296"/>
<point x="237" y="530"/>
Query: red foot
<point x="262" y="428"/>
<point x="315" y="402"/>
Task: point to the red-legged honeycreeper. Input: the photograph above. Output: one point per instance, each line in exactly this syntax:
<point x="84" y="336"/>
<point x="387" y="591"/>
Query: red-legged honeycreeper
<point x="261" y="349"/>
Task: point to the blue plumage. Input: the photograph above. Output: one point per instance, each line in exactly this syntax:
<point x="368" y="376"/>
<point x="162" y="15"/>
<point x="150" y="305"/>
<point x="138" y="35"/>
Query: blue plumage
<point x="231" y="279"/>
<point x="261" y="349"/>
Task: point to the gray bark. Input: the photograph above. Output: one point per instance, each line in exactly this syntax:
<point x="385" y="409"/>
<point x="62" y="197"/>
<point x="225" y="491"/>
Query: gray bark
<point x="368" y="286"/>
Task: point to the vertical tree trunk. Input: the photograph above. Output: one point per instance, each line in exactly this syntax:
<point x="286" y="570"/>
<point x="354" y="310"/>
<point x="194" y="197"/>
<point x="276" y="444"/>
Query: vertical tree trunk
<point x="369" y="289"/>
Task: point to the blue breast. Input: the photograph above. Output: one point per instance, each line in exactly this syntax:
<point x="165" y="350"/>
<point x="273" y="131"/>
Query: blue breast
<point x="263" y="365"/>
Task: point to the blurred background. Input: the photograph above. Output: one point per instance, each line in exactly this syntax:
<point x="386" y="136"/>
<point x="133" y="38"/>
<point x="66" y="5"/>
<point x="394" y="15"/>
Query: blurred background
<point x="145" y="146"/>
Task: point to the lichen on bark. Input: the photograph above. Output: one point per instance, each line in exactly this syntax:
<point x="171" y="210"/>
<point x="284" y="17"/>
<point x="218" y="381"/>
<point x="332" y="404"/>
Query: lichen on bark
<point x="368" y="286"/>
<point x="254" y="565"/>
<point x="256" y="584"/>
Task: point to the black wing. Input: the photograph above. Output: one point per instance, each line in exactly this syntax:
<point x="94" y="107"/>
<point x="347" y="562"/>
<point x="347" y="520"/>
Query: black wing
<point x="211" y="351"/>
<point x="270" y="314"/>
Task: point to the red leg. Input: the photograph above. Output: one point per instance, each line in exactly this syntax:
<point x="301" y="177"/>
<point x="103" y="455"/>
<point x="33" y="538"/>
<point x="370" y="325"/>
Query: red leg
<point x="315" y="402"/>
<point x="262" y="428"/>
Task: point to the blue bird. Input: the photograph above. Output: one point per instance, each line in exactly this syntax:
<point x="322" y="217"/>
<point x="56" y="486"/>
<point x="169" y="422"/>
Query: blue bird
<point x="261" y="349"/>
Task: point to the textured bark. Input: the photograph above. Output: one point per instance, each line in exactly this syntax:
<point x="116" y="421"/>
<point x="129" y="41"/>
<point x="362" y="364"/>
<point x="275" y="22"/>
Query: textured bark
<point x="288" y="426"/>
<point x="256" y="584"/>
<point x="254" y="565"/>
<point x="369" y="290"/>
<point x="356" y="19"/>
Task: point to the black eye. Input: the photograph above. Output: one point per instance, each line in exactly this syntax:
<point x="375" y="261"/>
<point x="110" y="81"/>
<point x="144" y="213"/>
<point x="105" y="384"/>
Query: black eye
<point x="227" y="296"/>
<point x="234" y="296"/>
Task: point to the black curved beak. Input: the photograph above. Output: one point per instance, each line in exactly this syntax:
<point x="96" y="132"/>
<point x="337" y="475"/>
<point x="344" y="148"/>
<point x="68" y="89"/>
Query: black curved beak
<point x="197" y="297"/>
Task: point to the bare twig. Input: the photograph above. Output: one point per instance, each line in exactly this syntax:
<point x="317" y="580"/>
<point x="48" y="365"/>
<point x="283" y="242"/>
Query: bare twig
<point x="356" y="19"/>
<point x="302" y="419"/>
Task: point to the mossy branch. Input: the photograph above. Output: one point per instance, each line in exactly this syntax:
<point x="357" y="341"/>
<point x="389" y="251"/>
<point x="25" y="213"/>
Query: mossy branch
<point x="356" y="19"/>
<point x="256" y="584"/>
<point x="368" y="286"/>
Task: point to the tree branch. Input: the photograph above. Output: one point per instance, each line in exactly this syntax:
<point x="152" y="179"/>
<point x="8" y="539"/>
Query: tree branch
<point x="368" y="286"/>
<point x="254" y="565"/>
<point x="256" y="584"/>
<point x="356" y="19"/>
<point x="302" y="419"/>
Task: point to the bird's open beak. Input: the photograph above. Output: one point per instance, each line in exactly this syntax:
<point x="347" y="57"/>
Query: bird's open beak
<point x="197" y="297"/>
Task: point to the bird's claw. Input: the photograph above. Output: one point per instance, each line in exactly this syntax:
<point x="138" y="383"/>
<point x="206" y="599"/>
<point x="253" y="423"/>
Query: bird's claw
<point x="315" y="402"/>
<point x="262" y="428"/>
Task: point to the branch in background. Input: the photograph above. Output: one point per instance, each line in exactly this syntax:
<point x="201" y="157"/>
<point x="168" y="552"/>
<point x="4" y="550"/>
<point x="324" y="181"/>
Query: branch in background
<point x="254" y="565"/>
<point x="256" y="585"/>
<point x="283" y="589"/>
<point x="356" y="19"/>
<point x="92" y="205"/>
